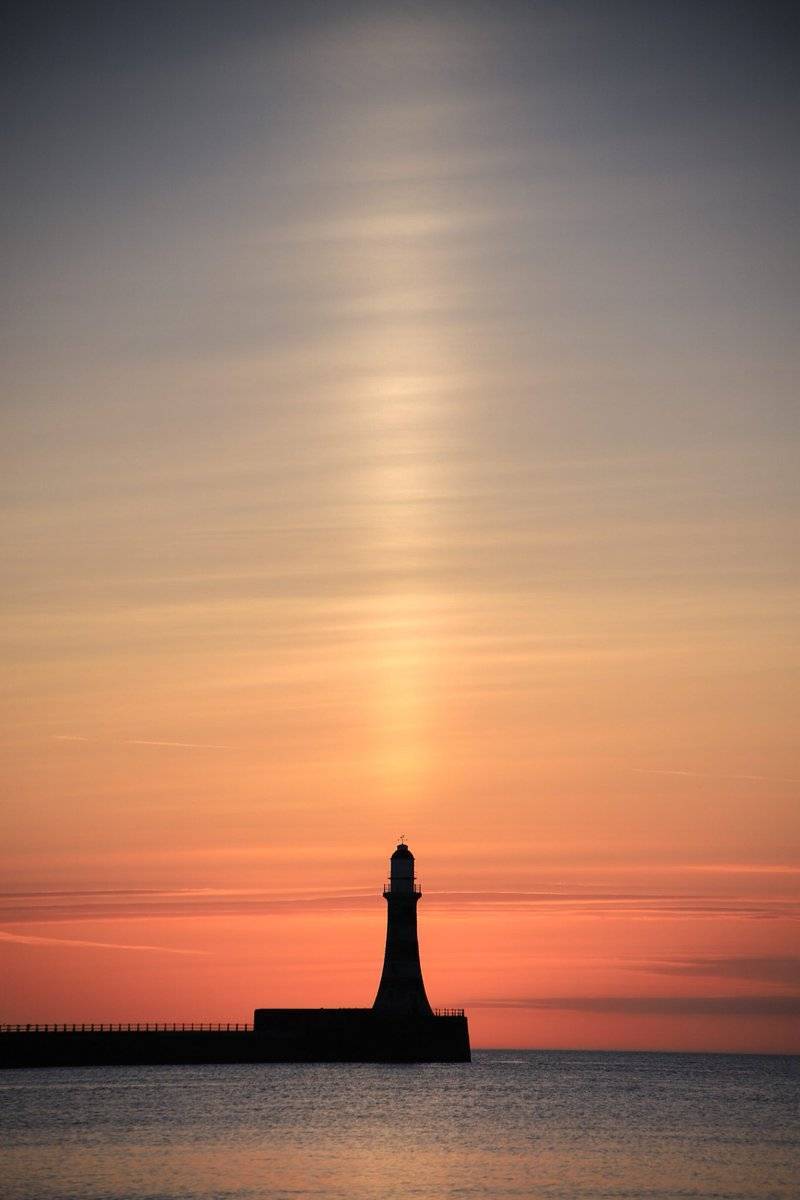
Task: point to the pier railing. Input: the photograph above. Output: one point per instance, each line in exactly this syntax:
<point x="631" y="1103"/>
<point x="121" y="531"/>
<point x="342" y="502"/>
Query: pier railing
<point x="133" y="1027"/>
<point x="165" y="1027"/>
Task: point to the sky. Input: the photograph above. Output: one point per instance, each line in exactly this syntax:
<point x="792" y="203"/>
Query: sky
<point x="400" y="437"/>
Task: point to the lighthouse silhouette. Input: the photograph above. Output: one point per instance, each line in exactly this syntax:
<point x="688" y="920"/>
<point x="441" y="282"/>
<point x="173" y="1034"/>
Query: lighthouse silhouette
<point x="401" y="991"/>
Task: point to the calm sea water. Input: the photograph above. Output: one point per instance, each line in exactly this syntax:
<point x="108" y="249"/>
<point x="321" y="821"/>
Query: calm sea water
<point x="510" y="1124"/>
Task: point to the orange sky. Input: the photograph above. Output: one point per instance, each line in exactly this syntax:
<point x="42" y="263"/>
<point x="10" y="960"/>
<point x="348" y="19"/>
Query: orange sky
<point x="399" y="438"/>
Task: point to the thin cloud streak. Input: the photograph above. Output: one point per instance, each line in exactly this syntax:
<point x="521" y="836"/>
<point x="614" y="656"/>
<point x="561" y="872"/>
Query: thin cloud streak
<point x="714" y="775"/>
<point x="65" y="737"/>
<point x="776" y="968"/>
<point x="656" y="1006"/>
<point x="177" y="745"/>
<point x="59" y="906"/>
<point x="34" y="940"/>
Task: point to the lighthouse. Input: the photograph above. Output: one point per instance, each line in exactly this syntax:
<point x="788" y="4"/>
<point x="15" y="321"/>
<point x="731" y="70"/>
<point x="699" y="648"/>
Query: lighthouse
<point x="401" y="991"/>
<point x="400" y="1027"/>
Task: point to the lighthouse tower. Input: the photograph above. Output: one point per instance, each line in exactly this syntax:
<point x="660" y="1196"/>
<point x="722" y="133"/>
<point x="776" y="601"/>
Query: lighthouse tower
<point x="401" y="991"/>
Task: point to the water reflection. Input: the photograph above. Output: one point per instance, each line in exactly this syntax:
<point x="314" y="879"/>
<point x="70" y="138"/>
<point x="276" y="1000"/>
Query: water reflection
<point x="521" y="1125"/>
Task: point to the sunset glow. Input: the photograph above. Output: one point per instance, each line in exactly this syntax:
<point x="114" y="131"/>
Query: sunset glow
<point x="398" y="438"/>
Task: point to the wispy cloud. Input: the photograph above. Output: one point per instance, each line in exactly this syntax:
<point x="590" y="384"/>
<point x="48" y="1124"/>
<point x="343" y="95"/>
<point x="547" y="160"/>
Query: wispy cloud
<point x="177" y="745"/>
<point x="767" y="968"/>
<point x="19" y="908"/>
<point x="74" y="737"/>
<point x="642" y="905"/>
<point x="26" y="939"/>
<point x="696" y="1006"/>
<point x="713" y="775"/>
<point x="44" y="908"/>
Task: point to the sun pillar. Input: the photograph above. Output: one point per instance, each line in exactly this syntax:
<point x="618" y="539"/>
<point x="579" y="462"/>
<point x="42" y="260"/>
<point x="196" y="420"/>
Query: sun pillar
<point x="401" y="991"/>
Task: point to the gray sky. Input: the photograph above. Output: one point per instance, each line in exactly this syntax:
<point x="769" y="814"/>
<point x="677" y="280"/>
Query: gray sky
<point x="414" y="377"/>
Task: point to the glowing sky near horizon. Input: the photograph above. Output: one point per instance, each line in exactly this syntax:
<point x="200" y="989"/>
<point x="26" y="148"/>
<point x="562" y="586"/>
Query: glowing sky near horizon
<point x="400" y="434"/>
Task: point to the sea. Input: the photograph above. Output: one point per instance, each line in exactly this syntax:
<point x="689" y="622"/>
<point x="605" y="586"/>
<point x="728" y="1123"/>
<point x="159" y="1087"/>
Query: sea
<point x="549" y="1125"/>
